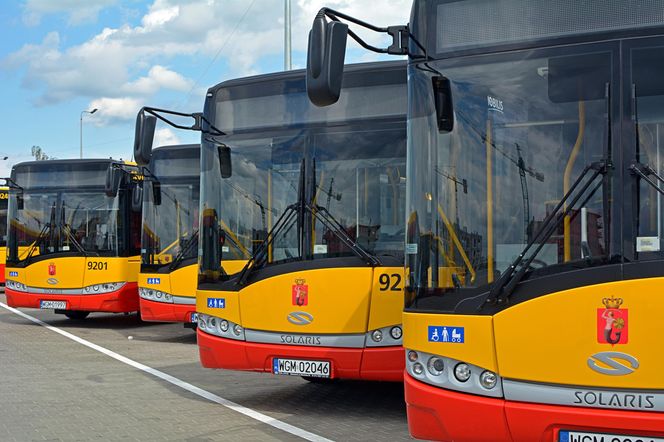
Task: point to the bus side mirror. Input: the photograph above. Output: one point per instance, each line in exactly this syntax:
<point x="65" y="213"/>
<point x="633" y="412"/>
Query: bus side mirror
<point x="19" y="202"/>
<point x="137" y="198"/>
<point x="156" y="193"/>
<point x="224" y="154"/>
<point x="442" y="96"/>
<point x="113" y="176"/>
<point x="144" y="137"/>
<point x="325" y="60"/>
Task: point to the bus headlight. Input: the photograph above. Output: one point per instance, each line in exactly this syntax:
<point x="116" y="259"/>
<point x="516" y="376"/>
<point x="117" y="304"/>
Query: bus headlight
<point x="384" y="336"/>
<point x="435" y="366"/>
<point x="15" y="285"/>
<point x="488" y="379"/>
<point x="220" y="327"/>
<point x="462" y="372"/>
<point x="155" y="295"/>
<point x="107" y="287"/>
<point x="377" y="335"/>
<point x="459" y="376"/>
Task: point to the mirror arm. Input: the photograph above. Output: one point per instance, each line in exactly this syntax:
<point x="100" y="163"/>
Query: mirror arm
<point x="11" y="183"/>
<point x="198" y="120"/>
<point x="399" y="34"/>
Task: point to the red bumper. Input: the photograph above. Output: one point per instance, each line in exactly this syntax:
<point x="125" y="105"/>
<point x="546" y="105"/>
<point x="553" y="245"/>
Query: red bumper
<point x="119" y="301"/>
<point x="438" y="414"/>
<point x="376" y="364"/>
<point x="2" y="274"/>
<point x="164" y="312"/>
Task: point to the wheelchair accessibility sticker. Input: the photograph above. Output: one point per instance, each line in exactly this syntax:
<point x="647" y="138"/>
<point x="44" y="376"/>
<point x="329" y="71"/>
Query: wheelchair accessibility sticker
<point x="439" y="333"/>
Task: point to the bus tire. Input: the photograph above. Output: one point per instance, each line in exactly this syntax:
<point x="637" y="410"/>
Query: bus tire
<point x="76" y="315"/>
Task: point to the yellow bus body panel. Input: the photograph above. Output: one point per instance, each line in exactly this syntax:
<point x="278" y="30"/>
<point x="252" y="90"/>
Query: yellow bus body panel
<point x="386" y="305"/>
<point x="551" y="338"/>
<point x="338" y="300"/>
<point x="477" y="349"/>
<point x="73" y="272"/>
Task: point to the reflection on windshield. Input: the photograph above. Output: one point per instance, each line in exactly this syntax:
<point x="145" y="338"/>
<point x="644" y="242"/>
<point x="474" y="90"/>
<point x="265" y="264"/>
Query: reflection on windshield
<point x="521" y="139"/>
<point x="360" y="180"/>
<point x="170" y="226"/>
<point x="61" y="222"/>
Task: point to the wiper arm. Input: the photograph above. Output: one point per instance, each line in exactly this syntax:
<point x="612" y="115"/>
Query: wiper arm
<point x="40" y="238"/>
<point x="184" y="250"/>
<point x="259" y="256"/>
<point x="326" y="218"/>
<point x="505" y="285"/>
<point x="644" y="171"/>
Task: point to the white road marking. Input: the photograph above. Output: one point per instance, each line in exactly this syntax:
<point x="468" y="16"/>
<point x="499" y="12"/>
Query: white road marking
<point x="288" y="428"/>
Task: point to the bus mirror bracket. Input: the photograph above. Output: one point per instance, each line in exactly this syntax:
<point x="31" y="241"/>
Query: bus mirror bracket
<point x="442" y="95"/>
<point x="325" y="60"/>
<point x="225" y="166"/>
<point x="144" y="137"/>
<point x="113" y="177"/>
<point x="327" y="50"/>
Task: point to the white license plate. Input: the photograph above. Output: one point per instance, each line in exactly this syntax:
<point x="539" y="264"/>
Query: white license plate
<point x="60" y="305"/>
<point x="299" y="367"/>
<point x="579" y="436"/>
<point x="193" y="318"/>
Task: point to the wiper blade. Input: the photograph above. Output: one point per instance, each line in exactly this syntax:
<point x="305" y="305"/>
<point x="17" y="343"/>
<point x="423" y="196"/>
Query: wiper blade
<point x="184" y="250"/>
<point x="326" y="218"/>
<point x="40" y="238"/>
<point x="505" y="285"/>
<point x="644" y="171"/>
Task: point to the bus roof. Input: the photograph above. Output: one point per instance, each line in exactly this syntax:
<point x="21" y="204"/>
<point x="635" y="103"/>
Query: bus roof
<point x="391" y="72"/>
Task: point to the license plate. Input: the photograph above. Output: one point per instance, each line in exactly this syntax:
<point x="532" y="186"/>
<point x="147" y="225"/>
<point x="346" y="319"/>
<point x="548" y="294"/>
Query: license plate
<point x="579" y="436"/>
<point x="193" y="318"/>
<point x="61" y="305"/>
<point x="299" y="367"/>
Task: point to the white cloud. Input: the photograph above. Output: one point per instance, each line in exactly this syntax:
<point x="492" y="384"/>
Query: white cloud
<point x="165" y="137"/>
<point x="79" y="11"/>
<point x="113" y="109"/>
<point x="130" y="62"/>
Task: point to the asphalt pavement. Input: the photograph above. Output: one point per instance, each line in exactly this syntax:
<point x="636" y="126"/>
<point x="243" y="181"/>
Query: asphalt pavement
<point x="112" y="377"/>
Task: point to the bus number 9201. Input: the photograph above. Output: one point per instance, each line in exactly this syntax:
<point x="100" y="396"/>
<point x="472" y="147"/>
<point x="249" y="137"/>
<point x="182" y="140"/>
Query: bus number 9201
<point x="97" y="265"/>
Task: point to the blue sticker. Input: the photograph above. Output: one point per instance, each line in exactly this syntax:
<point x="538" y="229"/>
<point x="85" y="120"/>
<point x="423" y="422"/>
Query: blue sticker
<point x="13" y="273"/>
<point x="446" y="333"/>
<point x="216" y="303"/>
<point x="154" y="280"/>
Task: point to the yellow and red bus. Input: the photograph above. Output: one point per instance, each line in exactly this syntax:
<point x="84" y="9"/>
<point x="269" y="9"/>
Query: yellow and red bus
<point x="169" y="248"/>
<point x="317" y="198"/>
<point x="4" y="200"/>
<point x="74" y="237"/>
<point x="549" y="114"/>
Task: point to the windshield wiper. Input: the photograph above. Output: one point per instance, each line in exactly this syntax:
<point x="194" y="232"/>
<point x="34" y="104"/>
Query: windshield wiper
<point x="285" y="223"/>
<point x="184" y="250"/>
<point x="46" y="231"/>
<point x="505" y="285"/>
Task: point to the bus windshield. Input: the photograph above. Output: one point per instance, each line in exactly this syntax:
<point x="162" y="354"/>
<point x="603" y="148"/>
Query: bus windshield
<point x="170" y="207"/>
<point x="4" y="199"/>
<point x="528" y="125"/>
<point x="71" y="215"/>
<point x="347" y="160"/>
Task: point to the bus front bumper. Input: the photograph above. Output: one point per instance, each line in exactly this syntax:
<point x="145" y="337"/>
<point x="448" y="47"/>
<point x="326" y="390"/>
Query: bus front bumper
<point x="374" y="363"/>
<point x="123" y="300"/>
<point x="439" y="414"/>
<point x="166" y="312"/>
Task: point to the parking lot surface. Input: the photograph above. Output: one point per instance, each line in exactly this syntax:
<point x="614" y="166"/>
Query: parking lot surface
<point x="57" y="388"/>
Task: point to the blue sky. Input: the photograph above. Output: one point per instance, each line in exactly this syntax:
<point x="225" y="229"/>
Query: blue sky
<point x="61" y="57"/>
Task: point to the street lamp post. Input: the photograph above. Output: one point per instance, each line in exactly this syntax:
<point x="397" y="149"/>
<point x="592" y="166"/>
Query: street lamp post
<point x="85" y="112"/>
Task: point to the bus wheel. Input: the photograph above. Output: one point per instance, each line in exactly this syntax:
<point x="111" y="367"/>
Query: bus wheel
<point x="76" y="315"/>
<point x="317" y="380"/>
